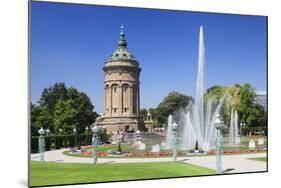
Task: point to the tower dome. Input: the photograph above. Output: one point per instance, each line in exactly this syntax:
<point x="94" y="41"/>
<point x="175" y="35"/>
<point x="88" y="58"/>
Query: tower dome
<point x="122" y="53"/>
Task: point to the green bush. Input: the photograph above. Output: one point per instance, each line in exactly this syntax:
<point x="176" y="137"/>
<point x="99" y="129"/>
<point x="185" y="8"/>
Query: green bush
<point x="196" y="146"/>
<point x="119" y="147"/>
<point x="85" y="139"/>
<point x="47" y="143"/>
<point x="70" y="139"/>
<point x="34" y="144"/>
<point x="59" y="141"/>
<point x="65" y="143"/>
<point x="103" y="137"/>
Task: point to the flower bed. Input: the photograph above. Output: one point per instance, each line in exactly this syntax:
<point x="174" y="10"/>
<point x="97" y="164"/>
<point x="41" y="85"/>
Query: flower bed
<point x="103" y="154"/>
<point x="238" y="151"/>
<point x="164" y="154"/>
<point x="139" y="154"/>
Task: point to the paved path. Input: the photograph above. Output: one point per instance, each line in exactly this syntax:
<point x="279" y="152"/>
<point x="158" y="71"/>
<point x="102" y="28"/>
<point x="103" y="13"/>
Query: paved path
<point x="230" y="163"/>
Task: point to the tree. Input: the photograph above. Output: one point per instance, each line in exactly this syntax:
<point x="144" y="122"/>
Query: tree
<point x="35" y="113"/>
<point x="215" y="91"/>
<point x="242" y="99"/>
<point x="39" y="118"/>
<point x="61" y="107"/>
<point x="171" y="103"/>
<point x="51" y="95"/>
<point x="85" y="114"/>
<point x="65" y="116"/>
<point x="143" y="113"/>
<point x="247" y="109"/>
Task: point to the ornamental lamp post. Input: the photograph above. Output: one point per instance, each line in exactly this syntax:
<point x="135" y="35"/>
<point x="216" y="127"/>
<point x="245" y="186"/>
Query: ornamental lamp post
<point x="86" y="136"/>
<point x="95" y="143"/>
<point x="75" y="138"/>
<point x="41" y="144"/>
<point x="60" y="138"/>
<point x="242" y="125"/>
<point x="219" y="144"/>
<point x="174" y="139"/>
<point x="48" y="132"/>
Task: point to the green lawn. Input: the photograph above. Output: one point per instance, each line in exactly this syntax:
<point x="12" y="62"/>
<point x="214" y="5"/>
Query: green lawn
<point x="49" y="173"/>
<point x="259" y="159"/>
<point x="125" y="147"/>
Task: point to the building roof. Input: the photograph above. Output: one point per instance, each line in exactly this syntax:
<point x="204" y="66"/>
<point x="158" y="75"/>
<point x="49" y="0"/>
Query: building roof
<point x="122" y="53"/>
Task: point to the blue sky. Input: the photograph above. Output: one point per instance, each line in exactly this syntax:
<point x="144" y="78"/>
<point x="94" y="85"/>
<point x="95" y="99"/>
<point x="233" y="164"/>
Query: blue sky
<point x="70" y="43"/>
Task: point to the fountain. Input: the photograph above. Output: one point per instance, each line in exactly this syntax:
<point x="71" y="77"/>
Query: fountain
<point x="252" y="144"/>
<point x="194" y="124"/>
<point x="197" y="126"/>
<point x="168" y="143"/>
<point x="138" y="141"/>
<point x="234" y="138"/>
<point x="260" y="141"/>
<point x="155" y="148"/>
<point x="141" y="146"/>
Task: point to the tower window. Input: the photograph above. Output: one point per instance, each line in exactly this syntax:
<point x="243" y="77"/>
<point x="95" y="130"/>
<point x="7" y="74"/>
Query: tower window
<point x="115" y="88"/>
<point x="114" y="109"/>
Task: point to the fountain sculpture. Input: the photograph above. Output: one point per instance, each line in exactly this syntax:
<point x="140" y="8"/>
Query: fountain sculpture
<point x="234" y="138"/>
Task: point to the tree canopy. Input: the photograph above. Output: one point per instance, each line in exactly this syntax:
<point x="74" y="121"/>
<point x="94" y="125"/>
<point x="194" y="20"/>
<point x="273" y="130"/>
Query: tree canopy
<point x="171" y="103"/>
<point x="62" y="108"/>
<point x="242" y="99"/>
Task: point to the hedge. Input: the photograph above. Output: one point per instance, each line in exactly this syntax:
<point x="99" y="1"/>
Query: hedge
<point x="60" y="141"/>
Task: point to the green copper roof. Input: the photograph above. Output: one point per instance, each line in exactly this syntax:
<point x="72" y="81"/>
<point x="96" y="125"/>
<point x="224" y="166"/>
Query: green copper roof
<point x="122" y="53"/>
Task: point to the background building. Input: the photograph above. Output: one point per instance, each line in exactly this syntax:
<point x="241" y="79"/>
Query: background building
<point x="261" y="98"/>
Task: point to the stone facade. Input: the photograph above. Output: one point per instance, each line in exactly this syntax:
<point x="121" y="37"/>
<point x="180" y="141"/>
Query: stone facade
<point x="122" y="91"/>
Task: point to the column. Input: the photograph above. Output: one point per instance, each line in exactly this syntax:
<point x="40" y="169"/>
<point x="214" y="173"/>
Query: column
<point x="120" y="97"/>
<point x="105" y="100"/>
<point x="130" y="90"/>
<point x="110" y="100"/>
<point x="138" y="101"/>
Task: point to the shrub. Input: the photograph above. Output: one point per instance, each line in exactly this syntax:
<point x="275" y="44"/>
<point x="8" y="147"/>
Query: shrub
<point x="34" y="144"/>
<point x="196" y="146"/>
<point x="47" y="143"/>
<point x="119" y="147"/>
<point x="70" y="139"/>
<point x="59" y="141"/>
